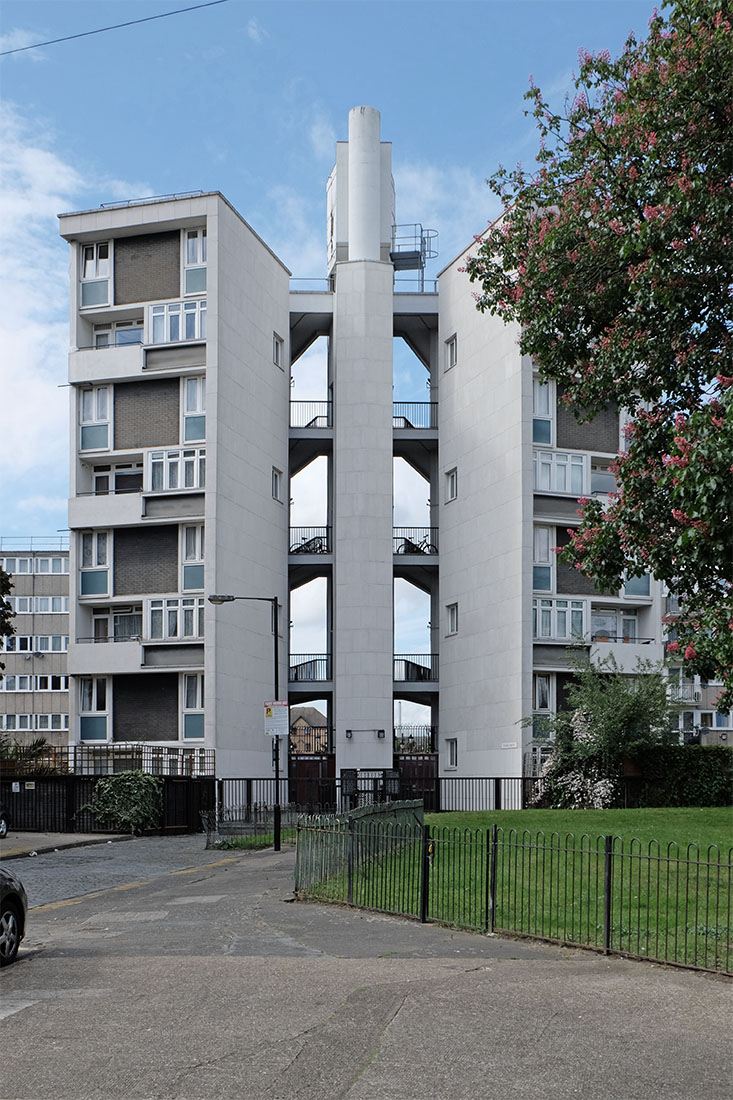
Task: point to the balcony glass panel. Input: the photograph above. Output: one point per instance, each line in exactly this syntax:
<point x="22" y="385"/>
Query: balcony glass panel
<point x="193" y="725"/>
<point x="94" y="582"/>
<point x="93" y="727"/>
<point x="95" y="294"/>
<point x="94" y="437"/>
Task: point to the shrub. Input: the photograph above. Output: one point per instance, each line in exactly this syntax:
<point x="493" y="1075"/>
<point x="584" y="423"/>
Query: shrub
<point x="130" y="800"/>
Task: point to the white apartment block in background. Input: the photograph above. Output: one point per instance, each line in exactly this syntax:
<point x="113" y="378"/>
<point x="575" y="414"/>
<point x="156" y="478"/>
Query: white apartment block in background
<point x="34" y="694"/>
<point x="185" y="437"/>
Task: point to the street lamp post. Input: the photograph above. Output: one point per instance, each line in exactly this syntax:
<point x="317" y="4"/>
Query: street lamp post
<point x="272" y="600"/>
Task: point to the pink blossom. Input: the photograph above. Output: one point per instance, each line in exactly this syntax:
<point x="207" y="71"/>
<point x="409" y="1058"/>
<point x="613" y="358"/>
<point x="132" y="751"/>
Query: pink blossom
<point x="690" y="653"/>
<point x="672" y="647"/>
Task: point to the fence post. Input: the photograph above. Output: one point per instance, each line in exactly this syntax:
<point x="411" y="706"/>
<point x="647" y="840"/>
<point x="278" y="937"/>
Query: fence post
<point x="350" y="862"/>
<point x="607" y="893"/>
<point x="492" y="846"/>
<point x="425" y="878"/>
<point x="298" y="853"/>
<point x="497" y="794"/>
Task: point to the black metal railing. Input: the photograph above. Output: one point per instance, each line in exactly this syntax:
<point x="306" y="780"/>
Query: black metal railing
<point x="415" y="739"/>
<point x="415" y="667"/>
<point x="109" y="638"/>
<point x="310" y="540"/>
<point x="307" y="740"/>
<point x="415" y="414"/>
<point x="605" y="636"/>
<point x="310" y="414"/>
<point x="111" y="758"/>
<point x="414" y="540"/>
<point x="308" y="667"/>
<point x="669" y="904"/>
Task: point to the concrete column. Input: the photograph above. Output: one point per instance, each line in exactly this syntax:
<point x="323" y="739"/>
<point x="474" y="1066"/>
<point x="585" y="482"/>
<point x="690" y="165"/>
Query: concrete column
<point x="364" y="184"/>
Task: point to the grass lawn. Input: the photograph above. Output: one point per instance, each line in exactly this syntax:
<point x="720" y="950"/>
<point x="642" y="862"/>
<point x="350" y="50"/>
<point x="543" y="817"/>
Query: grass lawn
<point x="688" y="825"/>
<point x="255" y="842"/>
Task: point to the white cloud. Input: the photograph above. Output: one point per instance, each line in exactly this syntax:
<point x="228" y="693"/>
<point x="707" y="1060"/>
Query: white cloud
<point x="17" y="39"/>
<point x="322" y="137"/>
<point x="296" y="233"/>
<point x="42" y="504"/>
<point x="308" y="616"/>
<point x="256" y="31"/>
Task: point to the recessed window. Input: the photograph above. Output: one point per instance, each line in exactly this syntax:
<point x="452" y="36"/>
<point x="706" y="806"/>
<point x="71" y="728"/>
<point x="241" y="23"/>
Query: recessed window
<point x="637" y="586"/>
<point x="194" y="261"/>
<point x="193" y="557"/>
<point x="95" y="274"/>
<point x="178" y="321"/>
<point x="277" y="484"/>
<point x="451" y="484"/>
<point x="177" y="469"/>
<point x="541" y="412"/>
<point x="93" y="708"/>
<point x="452" y="618"/>
<point x="451" y="745"/>
<point x="278" y="350"/>
<point x="542" y="559"/>
<point x="451" y="352"/>
<point x="194" y="409"/>
<point x="94" y="409"/>
<point x="542" y="691"/>
<point x="559" y="472"/>
<point x="192" y="690"/>
<point x="119" y="334"/>
<point x="94" y="570"/>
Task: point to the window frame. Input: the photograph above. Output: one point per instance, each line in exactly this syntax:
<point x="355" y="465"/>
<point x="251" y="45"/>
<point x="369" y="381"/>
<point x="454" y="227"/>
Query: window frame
<point x="278" y="351"/>
<point x="162" y="461"/>
<point x="451" y="617"/>
<point x="277" y="485"/>
<point x="192" y="555"/>
<point x="193" y="407"/>
<point x="186" y="710"/>
<point x="96" y="544"/>
<point x="451" y="352"/>
<point x="198" y="236"/>
<point x="95" y="420"/>
<point x="96" y="278"/>
<point x="539" y="414"/>
<point x="452" y="752"/>
<point x="451" y="484"/>
<point x="95" y="717"/>
<point x="542" y="532"/>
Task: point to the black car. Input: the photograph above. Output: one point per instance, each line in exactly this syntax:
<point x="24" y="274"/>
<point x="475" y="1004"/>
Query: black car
<point x="13" y="912"/>
<point x="4" y="821"/>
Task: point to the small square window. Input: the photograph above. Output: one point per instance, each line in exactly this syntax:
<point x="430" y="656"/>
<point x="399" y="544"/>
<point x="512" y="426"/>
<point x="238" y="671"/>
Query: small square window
<point x="451" y="484"/>
<point x="451" y="352"/>
<point x="277" y="484"/>
<point x="452" y="618"/>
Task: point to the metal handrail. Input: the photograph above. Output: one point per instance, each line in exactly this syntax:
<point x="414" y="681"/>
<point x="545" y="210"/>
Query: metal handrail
<point x="310" y="540"/>
<point x="415" y="667"/>
<point x="309" y="667"/>
<point x="414" y="540"/>
<point x="311" y="414"/>
<point x="415" y="414"/>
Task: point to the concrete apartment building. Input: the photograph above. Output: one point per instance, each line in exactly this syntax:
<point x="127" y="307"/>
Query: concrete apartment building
<point x="184" y="438"/>
<point x="34" y="692"/>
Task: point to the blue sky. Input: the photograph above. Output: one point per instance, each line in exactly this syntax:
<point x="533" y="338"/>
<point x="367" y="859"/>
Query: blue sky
<point x="248" y="99"/>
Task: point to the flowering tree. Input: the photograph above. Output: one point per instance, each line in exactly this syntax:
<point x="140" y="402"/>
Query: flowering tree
<point x="615" y="258"/>
<point x="6" y="614"/>
<point x="610" y="717"/>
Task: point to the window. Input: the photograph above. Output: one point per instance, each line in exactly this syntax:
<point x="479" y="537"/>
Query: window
<point x="177" y="321"/>
<point x="452" y="746"/>
<point x="559" y="472"/>
<point x="542" y="559"/>
<point x="194" y="261"/>
<point x="124" y="477"/>
<point x="93" y="708"/>
<point x="95" y="273"/>
<point x="452" y="618"/>
<point x="193" y="705"/>
<point x="278" y="350"/>
<point x="451" y="352"/>
<point x="94" y="407"/>
<point x="601" y="479"/>
<point x="194" y="409"/>
<point x="611" y="625"/>
<point x="277" y="484"/>
<point x="558" y="620"/>
<point x="17" y="565"/>
<point x="52" y="565"/>
<point x="637" y="586"/>
<point x="94" y="574"/>
<point x="451" y="484"/>
<point x="541" y="412"/>
<point x="177" y="469"/>
<point x="27" y="605"/>
<point x="52" y="683"/>
<point x="193" y="557"/>
<point x="176" y="618"/>
<point x="119" y="334"/>
<point x="542" y="691"/>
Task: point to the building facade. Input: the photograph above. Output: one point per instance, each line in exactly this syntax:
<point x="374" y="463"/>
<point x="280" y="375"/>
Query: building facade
<point x="34" y="693"/>
<point x="185" y="437"/>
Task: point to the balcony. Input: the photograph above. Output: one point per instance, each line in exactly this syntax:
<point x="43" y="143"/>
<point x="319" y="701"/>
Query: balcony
<point x="310" y="540"/>
<point x="309" y="668"/>
<point x="415" y="540"/>
<point x="415" y="668"/>
<point x="684" y="693"/>
<point x="415" y="739"/>
<point x="415" y="415"/>
<point x="311" y="414"/>
<point x="626" y="652"/>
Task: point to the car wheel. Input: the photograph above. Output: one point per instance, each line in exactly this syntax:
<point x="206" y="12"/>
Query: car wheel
<point x="9" y="933"/>
<point x="3" y="827"/>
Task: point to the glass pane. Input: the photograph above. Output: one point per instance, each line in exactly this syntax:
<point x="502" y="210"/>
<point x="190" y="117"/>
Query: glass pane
<point x="576" y="478"/>
<point x="541" y="397"/>
<point x="93" y="728"/>
<point x="545" y="623"/>
<point x="192" y="391"/>
<point x="156" y="475"/>
<point x="541" y="431"/>
<point x="190" y="326"/>
<point x="87" y="405"/>
<point x="101" y="695"/>
<point x="173" y="474"/>
<point x="576" y="618"/>
<point x="192" y="246"/>
<point x="562" y="623"/>
<point x="202" y="321"/>
<point x="94" y="437"/>
<point x="193" y="725"/>
<point x="95" y="294"/>
<point x="172" y="622"/>
<point x="193" y="577"/>
<point x="194" y="427"/>
<point x="88" y="268"/>
<point x="156" y="623"/>
<point x="102" y="403"/>
<point x="190" y="692"/>
<point x="202" y="472"/>
<point x="203" y="246"/>
<point x="174" y="327"/>
<point x="85" y="701"/>
<point x="542" y="693"/>
<point x="188" y="473"/>
<point x="126" y="336"/>
<point x="86" y="549"/>
<point x="637" y="586"/>
<point x="541" y="578"/>
<point x="195" y="280"/>
<point x="101" y="548"/>
<point x="94" y="583"/>
<point x="158" y="328"/>
<point x="190" y="543"/>
<point x="188" y="622"/>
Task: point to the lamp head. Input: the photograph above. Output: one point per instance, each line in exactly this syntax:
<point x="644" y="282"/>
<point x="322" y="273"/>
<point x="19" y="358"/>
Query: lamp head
<point x="219" y="599"/>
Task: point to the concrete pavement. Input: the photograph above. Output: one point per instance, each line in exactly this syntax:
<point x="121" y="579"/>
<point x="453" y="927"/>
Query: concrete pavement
<point x="18" y="845"/>
<point x="206" y="983"/>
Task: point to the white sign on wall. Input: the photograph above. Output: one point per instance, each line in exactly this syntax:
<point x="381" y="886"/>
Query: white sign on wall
<point x="277" y="719"/>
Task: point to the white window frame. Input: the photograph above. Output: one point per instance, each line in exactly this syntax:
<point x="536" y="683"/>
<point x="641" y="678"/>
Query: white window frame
<point x="17" y="565"/>
<point x="553" y="616"/>
<point x="177" y="322"/>
<point x="555" y="472"/>
<point x="193" y="408"/>
<point x="49" y="562"/>
<point x="278" y="351"/>
<point x="95" y="557"/>
<point x="95" y="702"/>
<point x="451" y="744"/>
<point x="543" y="408"/>
<point x="451" y="351"/>
<point x="46" y="682"/>
<point x="100" y="272"/>
<point x="192" y="702"/>
<point x="193" y="257"/>
<point x="95" y="411"/>
<point x="451" y="616"/>
<point x="277" y="485"/>
<point x="451" y="484"/>
<point x="175" y="619"/>
<point x="176" y="468"/>
<point x="193" y="548"/>
<point x="106" y="336"/>
<point x="543" y="539"/>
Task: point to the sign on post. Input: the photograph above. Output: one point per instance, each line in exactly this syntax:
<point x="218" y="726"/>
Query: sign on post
<point x="277" y="719"/>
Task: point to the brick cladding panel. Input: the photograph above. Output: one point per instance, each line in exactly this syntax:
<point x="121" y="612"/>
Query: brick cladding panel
<point x="145" y="707"/>
<point x="147" y="413"/>
<point x="147" y="268"/>
<point x="598" y="434"/>
<point x="146" y="561"/>
<point x="570" y="581"/>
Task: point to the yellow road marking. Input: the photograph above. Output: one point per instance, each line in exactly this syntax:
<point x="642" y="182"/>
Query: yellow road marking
<point x="214" y="863"/>
<point x="129" y="885"/>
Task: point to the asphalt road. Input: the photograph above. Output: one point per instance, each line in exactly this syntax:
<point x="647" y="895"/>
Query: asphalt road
<point x="154" y="970"/>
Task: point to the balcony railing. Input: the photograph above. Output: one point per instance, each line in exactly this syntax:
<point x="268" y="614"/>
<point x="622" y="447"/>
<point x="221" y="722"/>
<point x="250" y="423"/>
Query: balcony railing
<point x="605" y="636"/>
<point x="685" y="693"/>
<point x="309" y="667"/>
<point x="415" y="540"/>
<point x="311" y="414"/>
<point x="310" y="540"/>
<point x="415" y="414"/>
<point x="415" y="667"/>
<point x="415" y="739"/>
<point x="310" y="739"/>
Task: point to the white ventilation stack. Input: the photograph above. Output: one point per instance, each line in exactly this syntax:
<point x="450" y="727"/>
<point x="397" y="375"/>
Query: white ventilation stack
<point x="364" y="184"/>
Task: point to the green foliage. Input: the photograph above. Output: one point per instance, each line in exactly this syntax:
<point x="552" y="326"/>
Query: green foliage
<point x="615" y="260"/>
<point x="32" y="758"/>
<point x="6" y="614"/>
<point x="130" y="800"/>
<point x="687" y="775"/>
<point x="611" y="717"/>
